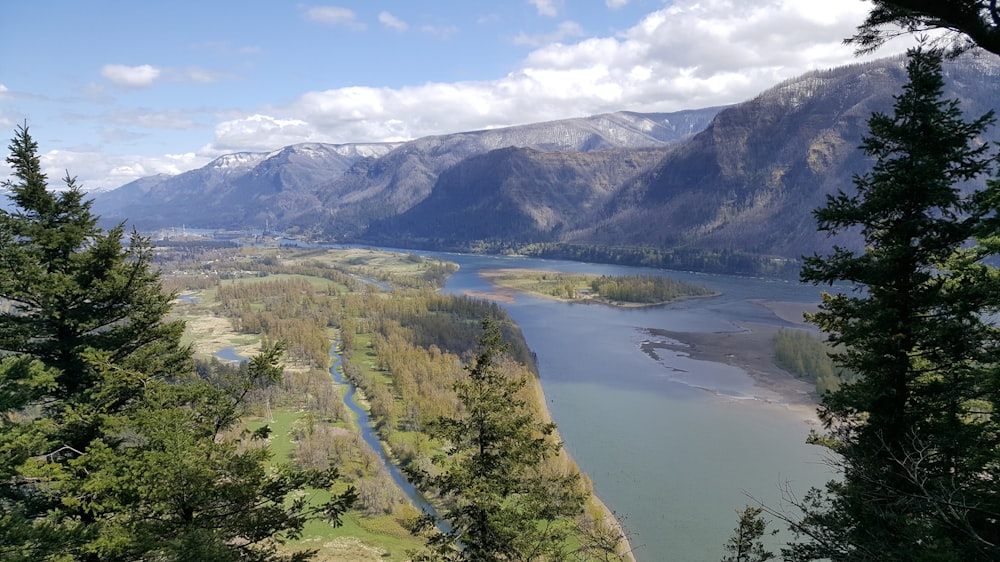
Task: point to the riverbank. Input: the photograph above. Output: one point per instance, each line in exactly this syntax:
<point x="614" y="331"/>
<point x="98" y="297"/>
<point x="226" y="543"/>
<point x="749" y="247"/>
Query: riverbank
<point x="750" y="347"/>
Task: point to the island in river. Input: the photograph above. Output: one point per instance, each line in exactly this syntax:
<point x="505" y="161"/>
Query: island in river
<point x="749" y="347"/>
<point x="614" y="290"/>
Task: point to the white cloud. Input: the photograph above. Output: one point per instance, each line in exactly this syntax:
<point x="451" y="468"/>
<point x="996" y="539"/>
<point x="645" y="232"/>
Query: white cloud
<point x="145" y="75"/>
<point x="615" y="4"/>
<point x="546" y="7"/>
<point x="565" y="29"/>
<point x="261" y="133"/>
<point x="334" y="15"/>
<point x="97" y="171"/>
<point x="202" y="76"/>
<point x="131" y="76"/>
<point x="391" y="21"/>
<point x="150" y="119"/>
<point x="689" y="54"/>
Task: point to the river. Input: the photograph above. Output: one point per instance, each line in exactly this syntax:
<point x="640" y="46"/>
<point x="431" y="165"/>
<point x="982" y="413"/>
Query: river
<point x="673" y="459"/>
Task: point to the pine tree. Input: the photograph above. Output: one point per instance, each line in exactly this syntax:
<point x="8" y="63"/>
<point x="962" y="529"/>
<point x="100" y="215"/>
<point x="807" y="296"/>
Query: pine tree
<point x="916" y="435"/>
<point x="70" y="288"/>
<point x="498" y="501"/>
<point x="111" y="448"/>
<point x="745" y="545"/>
<point x="968" y="23"/>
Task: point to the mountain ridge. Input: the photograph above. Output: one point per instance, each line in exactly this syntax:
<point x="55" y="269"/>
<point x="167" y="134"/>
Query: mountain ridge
<point x="737" y="179"/>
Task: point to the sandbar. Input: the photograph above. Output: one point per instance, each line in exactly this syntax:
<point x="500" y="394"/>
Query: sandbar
<point x="751" y="348"/>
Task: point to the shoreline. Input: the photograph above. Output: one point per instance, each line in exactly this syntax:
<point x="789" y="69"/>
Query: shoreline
<point x="750" y="348"/>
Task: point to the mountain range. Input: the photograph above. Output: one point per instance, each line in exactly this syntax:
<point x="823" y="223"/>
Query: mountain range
<point x="737" y="179"/>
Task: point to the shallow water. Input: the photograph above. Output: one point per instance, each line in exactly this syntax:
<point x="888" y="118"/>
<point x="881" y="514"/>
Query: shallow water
<point x="674" y="445"/>
<point x="229" y="354"/>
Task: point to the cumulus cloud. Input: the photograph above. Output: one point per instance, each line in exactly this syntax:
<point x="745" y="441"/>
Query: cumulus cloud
<point x="546" y="7"/>
<point x="691" y="54"/>
<point x="391" y="21"/>
<point x="565" y="29"/>
<point x="140" y="76"/>
<point x="334" y="15"/>
<point x="261" y="133"/>
<point x="96" y="171"/>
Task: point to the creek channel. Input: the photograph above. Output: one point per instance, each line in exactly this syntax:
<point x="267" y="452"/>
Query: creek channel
<point x="368" y="434"/>
<point x="364" y="424"/>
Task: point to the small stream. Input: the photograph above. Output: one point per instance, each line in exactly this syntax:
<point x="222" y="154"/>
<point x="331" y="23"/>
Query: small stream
<point x="368" y="434"/>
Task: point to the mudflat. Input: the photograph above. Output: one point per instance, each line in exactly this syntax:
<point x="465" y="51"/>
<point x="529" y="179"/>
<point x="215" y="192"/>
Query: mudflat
<point x="751" y="348"/>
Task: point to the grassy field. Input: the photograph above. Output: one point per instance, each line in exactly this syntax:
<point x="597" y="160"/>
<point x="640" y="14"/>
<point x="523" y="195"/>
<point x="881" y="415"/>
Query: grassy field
<point x="359" y="538"/>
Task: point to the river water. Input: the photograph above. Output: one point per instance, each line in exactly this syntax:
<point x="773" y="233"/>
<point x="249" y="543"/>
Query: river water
<point x="670" y="445"/>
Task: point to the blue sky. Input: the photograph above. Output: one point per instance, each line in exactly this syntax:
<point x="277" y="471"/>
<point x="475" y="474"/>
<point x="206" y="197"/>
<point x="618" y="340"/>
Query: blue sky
<point x="116" y="90"/>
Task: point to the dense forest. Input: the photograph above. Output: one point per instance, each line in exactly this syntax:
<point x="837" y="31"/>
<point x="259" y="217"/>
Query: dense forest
<point x="707" y="261"/>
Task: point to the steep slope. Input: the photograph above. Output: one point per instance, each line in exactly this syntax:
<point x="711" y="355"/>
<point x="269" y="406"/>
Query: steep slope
<point x="235" y="189"/>
<point x="752" y="178"/>
<point x="376" y="190"/>
<point x="346" y="187"/>
<point x="743" y="179"/>
<point x="748" y="183"/>
<point x="515" y="195"/>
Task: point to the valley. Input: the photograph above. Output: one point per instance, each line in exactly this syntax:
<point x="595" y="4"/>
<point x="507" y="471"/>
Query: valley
<point x="308" y="298"/>
<point x="541" y="281"/>
<point x="711" y="384"/>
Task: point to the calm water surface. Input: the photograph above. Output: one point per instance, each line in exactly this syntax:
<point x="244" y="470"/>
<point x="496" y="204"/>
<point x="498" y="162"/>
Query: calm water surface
<point x="676" y="460"/>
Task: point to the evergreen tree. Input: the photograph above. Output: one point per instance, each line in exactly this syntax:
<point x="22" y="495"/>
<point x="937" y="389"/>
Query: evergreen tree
<point x="916" y="435"/>
<point x="69" y="288"/>
<point x="745" y="545"/>
<point x="498" y="500"/>
<point x="968" y="23"/>
<point x="110" y="447"/>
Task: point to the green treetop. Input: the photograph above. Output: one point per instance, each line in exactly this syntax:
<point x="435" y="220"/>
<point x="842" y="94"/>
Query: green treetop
<point x="916" y="436"/>
<point x="498" y="500"/>
<point x="111" y="448"/>
<point x="967" y="23"/>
